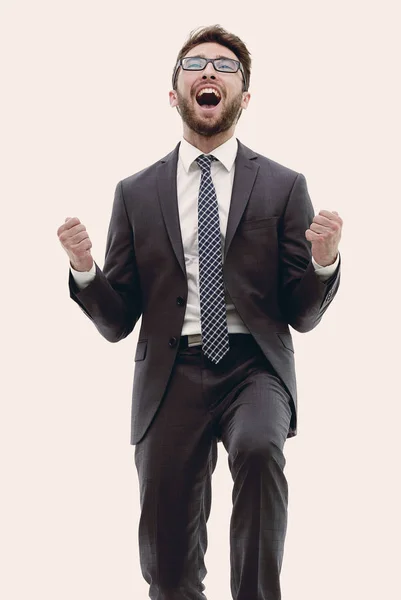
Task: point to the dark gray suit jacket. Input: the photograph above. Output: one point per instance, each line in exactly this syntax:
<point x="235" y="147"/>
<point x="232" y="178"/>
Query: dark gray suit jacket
<point x="268" y="272"/>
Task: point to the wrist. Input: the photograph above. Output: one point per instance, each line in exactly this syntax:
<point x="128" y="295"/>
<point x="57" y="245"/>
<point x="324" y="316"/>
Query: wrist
<point x="325" y="262"/>
<point x="81" y="268"/>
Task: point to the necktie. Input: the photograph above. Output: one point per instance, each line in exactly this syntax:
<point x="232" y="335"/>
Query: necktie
<point x="215" y="341"/>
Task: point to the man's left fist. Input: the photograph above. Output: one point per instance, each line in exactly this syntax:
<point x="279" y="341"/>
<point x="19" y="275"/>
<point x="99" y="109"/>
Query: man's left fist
<point x="325" y="234"/>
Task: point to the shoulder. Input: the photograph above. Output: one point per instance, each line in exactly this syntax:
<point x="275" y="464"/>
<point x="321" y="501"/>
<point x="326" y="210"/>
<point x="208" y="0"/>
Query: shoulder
<point x="266" y="165"/>
<point x="147" y="176"/>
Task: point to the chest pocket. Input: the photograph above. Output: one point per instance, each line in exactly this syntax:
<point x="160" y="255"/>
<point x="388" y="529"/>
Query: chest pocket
<point x="259" y="223"/>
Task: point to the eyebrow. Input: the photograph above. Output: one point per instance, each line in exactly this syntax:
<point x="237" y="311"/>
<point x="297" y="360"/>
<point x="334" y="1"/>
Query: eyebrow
<point x="204" y="56"/>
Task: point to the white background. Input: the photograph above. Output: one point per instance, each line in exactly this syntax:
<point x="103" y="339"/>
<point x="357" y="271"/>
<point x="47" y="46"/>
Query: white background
<point x="84" y="103"/>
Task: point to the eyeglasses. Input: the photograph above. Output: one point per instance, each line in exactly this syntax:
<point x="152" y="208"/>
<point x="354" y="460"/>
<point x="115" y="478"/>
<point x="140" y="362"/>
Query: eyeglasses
<point x="198" y="63"/>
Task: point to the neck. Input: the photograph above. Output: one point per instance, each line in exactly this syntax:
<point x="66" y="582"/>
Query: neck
<point x="204" y="143"/>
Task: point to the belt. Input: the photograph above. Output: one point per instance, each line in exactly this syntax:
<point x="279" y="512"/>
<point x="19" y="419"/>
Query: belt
<point x="191" y="340"/>
<point x="188" y="341"/>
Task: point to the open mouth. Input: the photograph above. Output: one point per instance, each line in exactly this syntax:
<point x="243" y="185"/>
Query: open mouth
<point x="208" y="97"/>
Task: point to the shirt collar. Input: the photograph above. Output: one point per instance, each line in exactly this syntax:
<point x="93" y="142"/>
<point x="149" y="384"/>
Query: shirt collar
<point x="226" y="153"/>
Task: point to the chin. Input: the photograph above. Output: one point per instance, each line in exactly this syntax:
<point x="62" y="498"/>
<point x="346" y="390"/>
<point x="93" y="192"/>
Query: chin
<point x="209" y="129"/>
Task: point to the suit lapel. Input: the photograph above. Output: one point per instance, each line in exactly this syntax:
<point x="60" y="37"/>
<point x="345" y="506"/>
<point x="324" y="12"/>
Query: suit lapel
<point x="167" y="192"/>
<point x="245" y="174"/>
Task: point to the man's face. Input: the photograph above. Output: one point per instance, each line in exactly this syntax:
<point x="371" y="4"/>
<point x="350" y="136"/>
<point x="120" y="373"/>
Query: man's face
<point x="215" y="110"/>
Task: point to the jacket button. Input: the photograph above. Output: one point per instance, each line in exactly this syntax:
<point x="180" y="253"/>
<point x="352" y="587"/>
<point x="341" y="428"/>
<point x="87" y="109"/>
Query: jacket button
<point x="180" y="301"/>
<point x="172" y="342"/>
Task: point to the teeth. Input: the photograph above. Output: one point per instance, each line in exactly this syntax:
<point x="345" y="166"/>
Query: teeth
<point x="209" y="91"/>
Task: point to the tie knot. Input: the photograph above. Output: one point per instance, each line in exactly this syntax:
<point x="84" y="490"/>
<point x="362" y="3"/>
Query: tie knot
<point x="204" y="161"/>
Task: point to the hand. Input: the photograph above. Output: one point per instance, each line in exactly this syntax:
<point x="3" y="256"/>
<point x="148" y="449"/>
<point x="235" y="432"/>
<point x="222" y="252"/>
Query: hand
<point x="75" y="240"/>
<point x="325" y="234"/>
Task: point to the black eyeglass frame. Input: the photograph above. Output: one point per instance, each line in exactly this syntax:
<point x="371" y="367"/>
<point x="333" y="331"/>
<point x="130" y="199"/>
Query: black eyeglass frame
<point x="208" y="60"/>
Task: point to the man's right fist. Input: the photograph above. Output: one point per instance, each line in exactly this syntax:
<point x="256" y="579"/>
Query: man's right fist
<point x="75" y="240"/>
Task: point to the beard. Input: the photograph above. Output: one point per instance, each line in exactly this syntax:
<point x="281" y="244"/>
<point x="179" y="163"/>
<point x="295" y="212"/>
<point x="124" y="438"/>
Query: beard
<point x="209" y="127"/>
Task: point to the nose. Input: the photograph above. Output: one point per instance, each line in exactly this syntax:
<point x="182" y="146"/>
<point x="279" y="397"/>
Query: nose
<point x="209" y="72"/>
<point x="207" y="76"/>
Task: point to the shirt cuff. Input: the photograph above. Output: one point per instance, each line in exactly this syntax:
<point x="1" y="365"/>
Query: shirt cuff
<point x="325" y="272"/>
<point x="83" y="278"/>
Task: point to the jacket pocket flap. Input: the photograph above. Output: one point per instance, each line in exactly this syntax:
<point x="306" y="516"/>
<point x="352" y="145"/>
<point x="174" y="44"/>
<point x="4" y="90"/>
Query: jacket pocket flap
<point x="141" y="350"/>
<point x="286" y="340"/>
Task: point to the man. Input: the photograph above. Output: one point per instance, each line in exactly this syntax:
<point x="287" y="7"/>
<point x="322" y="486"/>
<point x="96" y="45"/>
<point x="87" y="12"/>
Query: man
<point x="219" y="251"/>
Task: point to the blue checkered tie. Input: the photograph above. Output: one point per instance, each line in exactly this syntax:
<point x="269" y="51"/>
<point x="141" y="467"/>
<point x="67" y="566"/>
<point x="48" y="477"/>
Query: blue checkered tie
<point x="215" y="341"/>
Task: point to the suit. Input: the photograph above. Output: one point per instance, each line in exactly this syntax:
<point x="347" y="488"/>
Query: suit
<point x="182" y="404"/>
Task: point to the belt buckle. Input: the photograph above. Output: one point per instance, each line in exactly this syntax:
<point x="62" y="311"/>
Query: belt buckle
<point x="195" y="340"/>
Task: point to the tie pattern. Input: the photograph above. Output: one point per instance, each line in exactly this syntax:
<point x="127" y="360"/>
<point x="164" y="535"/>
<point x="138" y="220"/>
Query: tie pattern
<point x="215" y="340"/>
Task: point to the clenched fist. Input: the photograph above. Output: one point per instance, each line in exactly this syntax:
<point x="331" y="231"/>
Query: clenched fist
<point x="75" y="240"/>
<point x="325" y="234"/>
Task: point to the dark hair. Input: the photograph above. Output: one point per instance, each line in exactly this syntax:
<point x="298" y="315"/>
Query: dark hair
<point x="218" y="35"/>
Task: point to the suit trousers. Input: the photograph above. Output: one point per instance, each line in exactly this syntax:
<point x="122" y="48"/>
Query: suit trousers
<point x="242" y="403"/>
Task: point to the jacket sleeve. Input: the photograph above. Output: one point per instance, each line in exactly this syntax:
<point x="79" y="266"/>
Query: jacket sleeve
<point x="113" y="299"/>
<point x="304" y="298"/>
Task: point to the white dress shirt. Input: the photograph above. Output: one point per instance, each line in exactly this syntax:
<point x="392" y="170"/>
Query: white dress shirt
<point x="188" y="182"/>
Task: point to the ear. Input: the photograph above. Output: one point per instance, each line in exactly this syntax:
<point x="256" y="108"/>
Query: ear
<point x="173" y="98"/>
<point x="246" y="96"/>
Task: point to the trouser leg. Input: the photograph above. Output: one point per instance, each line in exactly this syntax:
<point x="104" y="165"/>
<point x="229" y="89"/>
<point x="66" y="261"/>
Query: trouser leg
<point x="254" y="430"/>
<point x="175" y="461"/>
